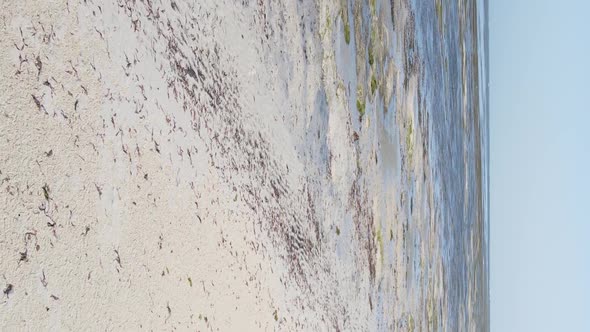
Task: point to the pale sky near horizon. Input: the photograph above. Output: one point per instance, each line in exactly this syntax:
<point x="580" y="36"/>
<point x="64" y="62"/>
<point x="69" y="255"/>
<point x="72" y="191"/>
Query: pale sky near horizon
<point x="540" y="165"/>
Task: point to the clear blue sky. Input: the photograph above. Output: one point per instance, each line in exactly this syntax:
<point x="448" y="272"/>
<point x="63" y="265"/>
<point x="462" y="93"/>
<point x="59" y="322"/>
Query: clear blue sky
<point x="540" y="165"/>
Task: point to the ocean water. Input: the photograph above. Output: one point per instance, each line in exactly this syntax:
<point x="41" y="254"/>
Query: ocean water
<point x="434" y="147"/>
<point x="453" y="81"/>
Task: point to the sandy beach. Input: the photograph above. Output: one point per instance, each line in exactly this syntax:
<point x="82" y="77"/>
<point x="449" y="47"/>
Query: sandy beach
<point x="224" y="165"/>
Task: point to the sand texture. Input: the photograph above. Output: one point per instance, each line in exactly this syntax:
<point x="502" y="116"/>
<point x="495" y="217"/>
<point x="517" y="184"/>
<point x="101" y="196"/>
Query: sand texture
<point x="217" y="165"/>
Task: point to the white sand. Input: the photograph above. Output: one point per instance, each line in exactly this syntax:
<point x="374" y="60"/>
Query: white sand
<point x="200" y="170"/>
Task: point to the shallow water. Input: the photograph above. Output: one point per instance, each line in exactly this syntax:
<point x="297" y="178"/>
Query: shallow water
<point x="433" y="145"/>
<point x="458" y="157"/>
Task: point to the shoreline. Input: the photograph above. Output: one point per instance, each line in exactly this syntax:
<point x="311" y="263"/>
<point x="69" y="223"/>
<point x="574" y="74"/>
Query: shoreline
<point x="218" y="165"/>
